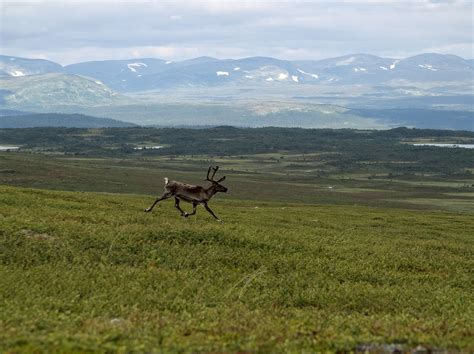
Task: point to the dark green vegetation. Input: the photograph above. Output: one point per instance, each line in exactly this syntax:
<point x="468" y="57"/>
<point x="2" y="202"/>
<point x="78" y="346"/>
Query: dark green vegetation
<point x="345" y="150"/>
<point x="58" y="120"/>
<point x="83" y="271"/>
<point x="331" y="240"/>
<point x="225" y="140"/>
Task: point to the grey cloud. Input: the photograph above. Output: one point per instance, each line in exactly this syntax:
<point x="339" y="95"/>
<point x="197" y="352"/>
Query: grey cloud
<point x="65" y="30"/>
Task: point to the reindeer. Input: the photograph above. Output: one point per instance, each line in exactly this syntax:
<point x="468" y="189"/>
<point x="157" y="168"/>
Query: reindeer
<point x="191" y="193"/>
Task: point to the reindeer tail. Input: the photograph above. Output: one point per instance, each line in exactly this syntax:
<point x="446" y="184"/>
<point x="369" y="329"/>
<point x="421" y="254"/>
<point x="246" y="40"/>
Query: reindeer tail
<point x="166" y="181"/>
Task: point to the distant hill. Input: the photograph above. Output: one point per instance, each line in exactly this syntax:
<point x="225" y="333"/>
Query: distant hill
<point x="55" y="90"/>
<point x="118" y="73"/>
<point x="421" y="118"/>
<point x="17" y="67"/>
<point x="12" y="112"/>
<point x="59" y="120"/>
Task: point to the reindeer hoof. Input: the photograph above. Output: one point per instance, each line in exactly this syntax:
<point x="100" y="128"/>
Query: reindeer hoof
<point x="219" y="220"/>
<point x="147" y="210"/>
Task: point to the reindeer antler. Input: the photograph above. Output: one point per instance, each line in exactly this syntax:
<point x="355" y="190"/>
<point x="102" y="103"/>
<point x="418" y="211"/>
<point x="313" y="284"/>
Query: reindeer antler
<point x="214" y="169"/>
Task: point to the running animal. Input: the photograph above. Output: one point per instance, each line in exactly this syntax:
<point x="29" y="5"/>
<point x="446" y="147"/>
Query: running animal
<point x="192" y="194"/>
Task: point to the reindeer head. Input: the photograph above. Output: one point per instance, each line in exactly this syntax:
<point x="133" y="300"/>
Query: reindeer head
<point x="216" y="184"/>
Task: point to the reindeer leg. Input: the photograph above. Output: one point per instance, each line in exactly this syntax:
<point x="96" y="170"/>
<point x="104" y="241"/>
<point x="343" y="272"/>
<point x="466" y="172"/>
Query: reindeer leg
<point x="194" y="210"/>
<point x="211" y="212"/>
<point x="163" y="197"/>
<point x="176" y="205"/>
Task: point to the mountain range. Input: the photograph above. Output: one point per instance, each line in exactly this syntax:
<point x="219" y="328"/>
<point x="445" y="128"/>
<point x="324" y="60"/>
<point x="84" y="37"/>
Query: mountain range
<point x="352" y="91"/>
<point x="135" y="75"/>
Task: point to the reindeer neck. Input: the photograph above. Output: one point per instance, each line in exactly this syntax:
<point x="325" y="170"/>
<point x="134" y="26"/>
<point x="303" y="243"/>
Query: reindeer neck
<point x="210" y="191"/>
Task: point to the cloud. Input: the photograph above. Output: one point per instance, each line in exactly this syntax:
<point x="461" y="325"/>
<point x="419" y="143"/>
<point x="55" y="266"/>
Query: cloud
<point x="72" y="30"/>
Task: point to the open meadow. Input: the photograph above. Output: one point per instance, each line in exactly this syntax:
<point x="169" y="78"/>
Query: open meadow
<point x="92" y="271"/>
<point x="319" y="251"/>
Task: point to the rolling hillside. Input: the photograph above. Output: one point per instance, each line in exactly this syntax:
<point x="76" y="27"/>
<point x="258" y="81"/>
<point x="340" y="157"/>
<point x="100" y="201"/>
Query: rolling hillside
<point x="55" y="90"/>
<point x="93" y="272"/>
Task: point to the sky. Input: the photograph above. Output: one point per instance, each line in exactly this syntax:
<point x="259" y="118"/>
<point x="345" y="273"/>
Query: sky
<point x="70" y="31"/>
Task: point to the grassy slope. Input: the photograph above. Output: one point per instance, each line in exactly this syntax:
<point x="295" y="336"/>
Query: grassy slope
<point x="253" y="177"/>
<point x="88" y="271"/>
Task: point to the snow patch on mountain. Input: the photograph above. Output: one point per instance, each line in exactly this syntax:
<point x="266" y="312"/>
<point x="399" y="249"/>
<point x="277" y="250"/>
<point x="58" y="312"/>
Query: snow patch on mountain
<point x="237" y="69"/>
<point x="394" y="64"/>
<point x="427" y="66"/>
<point x="222" y="73"/>
<point x="294" y="78"/>
<point x="132" y="66"/>
<point x="314" y="76"/>
<point x="383" y="67"/>
<point x="282" y="76"/>
<point x="17" y="73"/>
